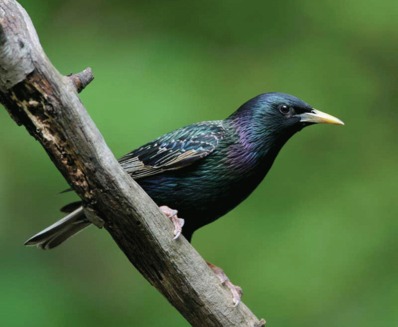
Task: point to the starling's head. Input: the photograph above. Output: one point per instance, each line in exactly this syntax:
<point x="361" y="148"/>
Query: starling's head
<point x="275" y="117"/>
<point x="280" y="112"/>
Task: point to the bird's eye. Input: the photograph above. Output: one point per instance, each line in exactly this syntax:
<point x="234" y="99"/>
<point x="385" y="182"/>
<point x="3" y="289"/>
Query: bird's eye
<point x="284" y="109"/>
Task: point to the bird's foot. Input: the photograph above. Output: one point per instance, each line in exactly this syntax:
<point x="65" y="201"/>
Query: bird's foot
<point x="235" y="290"/>
<point x="177" y="222"/>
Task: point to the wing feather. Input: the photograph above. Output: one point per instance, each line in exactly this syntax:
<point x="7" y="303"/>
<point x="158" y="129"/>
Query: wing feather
<point x="174" y="150"/>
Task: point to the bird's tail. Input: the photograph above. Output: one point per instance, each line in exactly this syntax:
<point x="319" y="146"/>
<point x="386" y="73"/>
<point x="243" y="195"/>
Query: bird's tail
<point x="59" y="232"/>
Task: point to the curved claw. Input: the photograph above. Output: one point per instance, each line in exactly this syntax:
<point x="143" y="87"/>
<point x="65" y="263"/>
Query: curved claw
<point x="236" y="292"/>
<point x="177" y="222"/>
<point x="234" y="289"/>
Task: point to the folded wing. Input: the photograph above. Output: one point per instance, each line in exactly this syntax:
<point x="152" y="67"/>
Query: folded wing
<point x="174" y="150"/>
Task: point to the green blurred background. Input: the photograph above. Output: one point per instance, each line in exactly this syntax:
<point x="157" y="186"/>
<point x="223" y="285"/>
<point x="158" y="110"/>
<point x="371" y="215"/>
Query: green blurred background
<point x="315" y="245"/>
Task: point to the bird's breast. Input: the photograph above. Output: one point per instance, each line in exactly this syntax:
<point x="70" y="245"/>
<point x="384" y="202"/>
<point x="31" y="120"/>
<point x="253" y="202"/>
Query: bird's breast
<point x="207" y="189"/>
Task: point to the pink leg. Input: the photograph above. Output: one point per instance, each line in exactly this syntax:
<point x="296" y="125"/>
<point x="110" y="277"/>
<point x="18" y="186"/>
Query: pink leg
<point x="235" y="290"/>
<point x="177" y="222"/>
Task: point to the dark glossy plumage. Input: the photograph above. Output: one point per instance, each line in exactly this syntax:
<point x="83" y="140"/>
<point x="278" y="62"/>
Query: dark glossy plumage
<point x="205" y="169"/>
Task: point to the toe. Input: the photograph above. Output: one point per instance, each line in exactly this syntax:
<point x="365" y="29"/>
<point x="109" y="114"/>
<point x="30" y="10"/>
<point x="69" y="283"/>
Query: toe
<point x="178" y="223"/>
<point x="236" y="292"/>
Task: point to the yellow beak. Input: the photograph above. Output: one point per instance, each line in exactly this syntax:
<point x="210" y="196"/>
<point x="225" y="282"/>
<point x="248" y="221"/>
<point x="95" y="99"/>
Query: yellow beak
<point x="319" y="117"/>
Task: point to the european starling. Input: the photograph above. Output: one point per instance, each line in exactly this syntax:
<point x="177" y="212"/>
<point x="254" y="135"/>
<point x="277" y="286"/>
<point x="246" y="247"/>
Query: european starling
<point x="205" y="169"/>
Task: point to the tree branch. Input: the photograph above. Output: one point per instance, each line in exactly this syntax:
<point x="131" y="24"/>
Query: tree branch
<point x="37" y="96"/>
<point x="82" y="79"/>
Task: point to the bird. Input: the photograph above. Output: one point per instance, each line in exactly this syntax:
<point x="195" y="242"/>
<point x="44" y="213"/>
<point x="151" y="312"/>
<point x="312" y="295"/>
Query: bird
<point x="204" y="170"/>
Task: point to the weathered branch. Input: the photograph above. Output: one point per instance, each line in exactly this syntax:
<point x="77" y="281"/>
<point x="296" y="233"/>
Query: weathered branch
<point x="82" y="79"/>
<point x="37" y="96"/>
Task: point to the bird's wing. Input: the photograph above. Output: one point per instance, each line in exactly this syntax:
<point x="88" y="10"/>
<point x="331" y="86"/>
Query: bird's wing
<point x="174" y="150"/>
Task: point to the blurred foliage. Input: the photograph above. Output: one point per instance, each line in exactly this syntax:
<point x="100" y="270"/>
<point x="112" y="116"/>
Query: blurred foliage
<point x="315" y="245"/>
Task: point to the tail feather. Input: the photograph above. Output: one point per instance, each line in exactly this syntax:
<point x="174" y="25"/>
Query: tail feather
<point x="60" y="231"/>
<point x="71" y="207"/>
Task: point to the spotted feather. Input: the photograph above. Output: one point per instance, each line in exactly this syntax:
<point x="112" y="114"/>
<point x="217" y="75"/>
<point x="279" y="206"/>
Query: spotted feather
<point x="174" y="150"/>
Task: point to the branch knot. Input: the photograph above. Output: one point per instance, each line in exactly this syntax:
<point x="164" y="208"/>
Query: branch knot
<point x="82" y="79"/>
